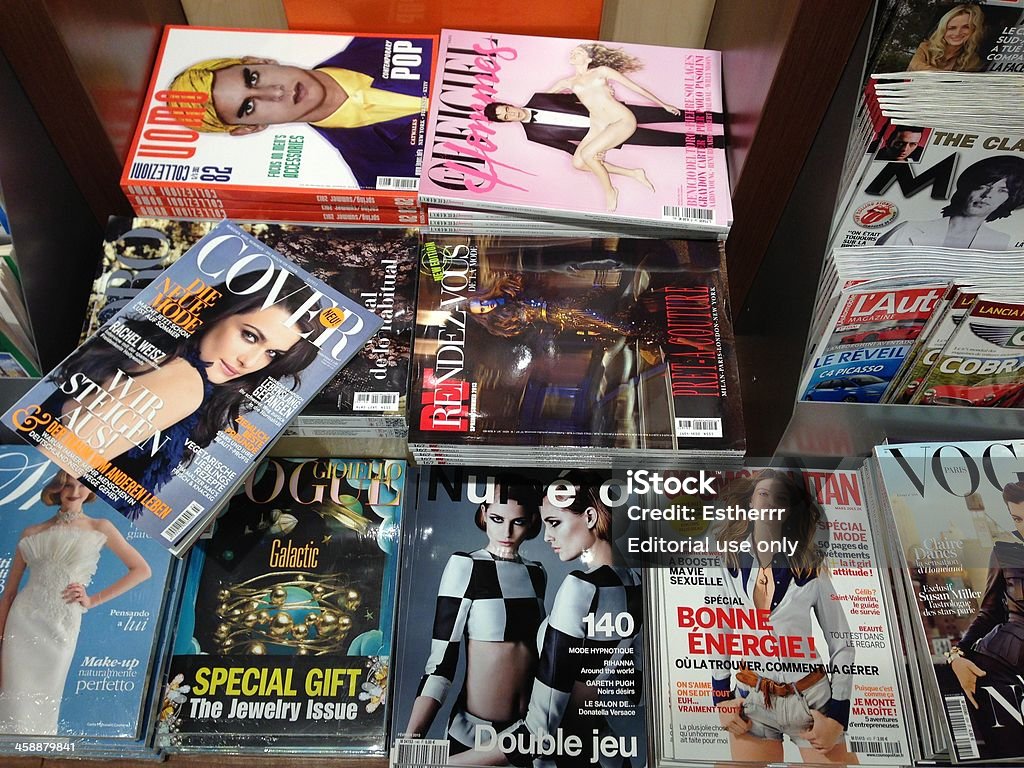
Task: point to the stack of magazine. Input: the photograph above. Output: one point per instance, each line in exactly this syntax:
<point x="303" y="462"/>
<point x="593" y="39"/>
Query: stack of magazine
<point x="549" y="136"/>
<point x="87" y="609"/>
<point x="283" y="643"/>
<point x="18" y="354"/>
<point x="955" y="514"/>
<point x="376" y="267"/>
<point x="283" y="126"/>
<point x="573" y="352"/>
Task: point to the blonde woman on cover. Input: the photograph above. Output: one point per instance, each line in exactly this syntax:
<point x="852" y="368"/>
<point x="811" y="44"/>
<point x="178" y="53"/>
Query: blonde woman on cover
<point x="805" y="704"/>
<point x="39" y="624"/>
<point x="597" y="69"/>
<point x="953" y="44"/>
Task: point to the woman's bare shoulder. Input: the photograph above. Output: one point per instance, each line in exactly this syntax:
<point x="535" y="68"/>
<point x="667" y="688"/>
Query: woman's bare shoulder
<point x="178" y="385"/>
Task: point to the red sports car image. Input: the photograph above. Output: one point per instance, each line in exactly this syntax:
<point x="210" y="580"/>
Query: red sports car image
<point x="984" y="394"/>
<point x="898" y="333"/>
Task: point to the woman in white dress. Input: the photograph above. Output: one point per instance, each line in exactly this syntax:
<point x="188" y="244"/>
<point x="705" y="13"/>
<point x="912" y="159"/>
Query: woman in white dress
<point x="39" y="624"/>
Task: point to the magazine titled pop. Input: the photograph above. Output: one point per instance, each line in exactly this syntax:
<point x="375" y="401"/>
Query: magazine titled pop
<point x="283" y="113"/>
<point x="958" y="511"/>
<point x="624" y="132"/>
<point x="164" y="409"/>
<point x="781" y="651"/>
<point x="866" y="341"/>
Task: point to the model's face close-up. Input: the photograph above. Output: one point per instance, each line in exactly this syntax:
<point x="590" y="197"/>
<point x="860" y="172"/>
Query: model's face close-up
<point x="904" y="143"/>
<point x="567" y="533"/>
<point x="506" y="526"/>
<point x="578" y="56"/>
<point x="244" y="343"/>
<point x="1017" y="515"/>
<point x="506" y="113"/>
<point x="770" y="494"/>
<point x="73" y="493"/>
<point x="958" y="30"/>
<point x="986" y="198"/>
<point x="266" y="94"/>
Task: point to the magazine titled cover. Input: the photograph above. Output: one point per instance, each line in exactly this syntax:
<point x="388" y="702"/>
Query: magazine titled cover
<point x="959" y="514"/>
<point x="283" y="114"/>
<point x="80" y="611"/>
<point x="284" y="640"/>
<point x="780" y="650"/>
<point x="375" y="267"/>
<point x="520" y="623"/>
<point x="956" y="189"/>
<point x="982" y="363"/>
<point x="866" y="341"/>
<point x="166" y="407"/>
<point x="613" y="343"/>
<point x="575" y="128"/>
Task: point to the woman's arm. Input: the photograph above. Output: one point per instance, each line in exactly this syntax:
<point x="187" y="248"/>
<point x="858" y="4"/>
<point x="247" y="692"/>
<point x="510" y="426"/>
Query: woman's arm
<point x="827" y="731"/>
<point x="723" y="695"/>
<point x="138" y="570"/>
<point x="618" y="77"/>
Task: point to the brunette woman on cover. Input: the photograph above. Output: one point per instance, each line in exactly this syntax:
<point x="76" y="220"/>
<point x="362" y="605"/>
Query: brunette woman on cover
<point x="39" y="624"/>
<point x="202" y="381"/>
<point x="759" y="710"/>
<point x="571" y="642"/>
<point x="493" y="599"/>
<point x="597" y="68"/>
<point x="953" y="44"/>
<point x="992" y="648"/>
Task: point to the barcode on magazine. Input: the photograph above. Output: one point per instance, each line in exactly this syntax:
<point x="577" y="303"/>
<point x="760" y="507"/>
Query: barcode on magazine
<point x="686" y="213"/>
<point x="960" y="724"/>
<point x="375" y="401"/>
<point x="698" y="427"/>
<point x="873" y="747"/>
<point x="419" y="752"/>
<point x="396" y="182"/>
<point x="182" y="521"/>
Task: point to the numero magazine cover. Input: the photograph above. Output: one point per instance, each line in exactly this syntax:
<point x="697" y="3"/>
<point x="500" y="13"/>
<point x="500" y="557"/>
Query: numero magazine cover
<point x="600" y="344"/>
<point x="774" y="645"/>
<point x="570" y="128"/>
<point x="375" y="267"/>
<point x="275" y="113"/>
<point x="167" y="406"/>
<point x="533" y="654"/>
<point x="284" y="639"/>
<point x="80" y="612"/>
<point x="959" y="514"/>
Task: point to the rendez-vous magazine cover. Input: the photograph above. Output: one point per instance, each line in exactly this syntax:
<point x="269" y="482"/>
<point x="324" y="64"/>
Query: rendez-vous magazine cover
<point x="175" y="397"/>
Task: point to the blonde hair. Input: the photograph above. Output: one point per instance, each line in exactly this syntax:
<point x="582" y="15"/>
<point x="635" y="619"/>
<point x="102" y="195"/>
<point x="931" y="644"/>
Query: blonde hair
<point x="587" y="487"/>
<point x="198" y="79"/>
<point x="50" y="494"/>
<point x="967" y="59"/>
<point x="799" y="525"/>
<point x="603" y="56"/>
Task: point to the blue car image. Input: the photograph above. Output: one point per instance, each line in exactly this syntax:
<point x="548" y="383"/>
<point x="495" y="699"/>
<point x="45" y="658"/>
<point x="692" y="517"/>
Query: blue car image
<point x="862" y="388"/>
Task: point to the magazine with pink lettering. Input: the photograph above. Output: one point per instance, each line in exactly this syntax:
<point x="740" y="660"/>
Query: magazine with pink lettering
<point x="568" y="128"/>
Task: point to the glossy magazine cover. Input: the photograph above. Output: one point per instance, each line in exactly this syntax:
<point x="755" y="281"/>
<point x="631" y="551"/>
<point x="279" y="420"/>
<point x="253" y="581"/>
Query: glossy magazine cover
<point x="574" y="342"/>
<point x="520" y="624"/>
<point x="284" y="639"/>
<point x="958" y="510"/>
<point x="574" y="128"/>
<point x="261" y="111"/>
<point x="375" y="267"/>
<point x="805" y="658"/>
<point x="168" y="405"/>
<point x="83" y="593"/>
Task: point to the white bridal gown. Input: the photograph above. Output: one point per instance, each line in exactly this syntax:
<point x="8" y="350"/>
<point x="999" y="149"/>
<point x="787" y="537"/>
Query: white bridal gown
<point x="42" y="630"/>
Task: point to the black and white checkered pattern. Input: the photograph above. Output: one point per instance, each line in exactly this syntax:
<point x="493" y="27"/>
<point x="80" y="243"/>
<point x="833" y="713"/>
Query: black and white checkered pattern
<point x="481" y="598"/>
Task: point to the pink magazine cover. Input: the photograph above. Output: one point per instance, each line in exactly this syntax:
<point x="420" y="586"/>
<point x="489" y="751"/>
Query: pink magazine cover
<point x="613" y="132"/>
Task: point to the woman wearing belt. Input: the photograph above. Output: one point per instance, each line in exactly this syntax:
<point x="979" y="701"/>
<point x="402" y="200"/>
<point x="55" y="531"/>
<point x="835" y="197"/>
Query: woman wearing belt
<point x="801" y="702"/>
<point x="992" y="647"/>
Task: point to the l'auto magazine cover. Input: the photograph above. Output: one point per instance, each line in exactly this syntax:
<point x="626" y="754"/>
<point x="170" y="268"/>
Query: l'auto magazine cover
<point x="565" y="127"/>
<point x="959" y="514"/>
<point x="771" y="656"/>
<point x="574" y="342"/>
<point x="164" y="409"/>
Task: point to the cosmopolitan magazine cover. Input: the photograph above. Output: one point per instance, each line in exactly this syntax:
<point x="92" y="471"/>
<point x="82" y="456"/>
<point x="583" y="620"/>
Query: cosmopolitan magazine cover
<point x="173" y="399"/>
<point x="562" y="127"/>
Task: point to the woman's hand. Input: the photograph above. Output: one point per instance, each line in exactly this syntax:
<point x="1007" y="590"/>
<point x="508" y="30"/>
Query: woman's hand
<point x="670" y="108"/>
<point x="824" y="732"/>
<point x="730" y="717"/>
<point x="75" y="593"/>
<point x="967" y="674"/>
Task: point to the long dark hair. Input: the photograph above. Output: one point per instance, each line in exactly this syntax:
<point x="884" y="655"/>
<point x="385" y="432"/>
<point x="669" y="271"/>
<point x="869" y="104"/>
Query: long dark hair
<point x="987" y="171"/>
<point x="98" y="360"/>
